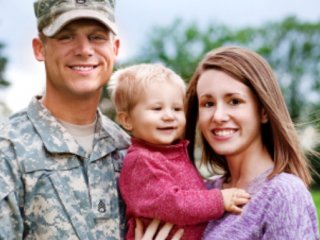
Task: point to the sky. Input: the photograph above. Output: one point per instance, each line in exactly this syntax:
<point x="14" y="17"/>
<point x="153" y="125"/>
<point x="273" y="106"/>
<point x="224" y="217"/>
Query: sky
<point x="135" y="19"/>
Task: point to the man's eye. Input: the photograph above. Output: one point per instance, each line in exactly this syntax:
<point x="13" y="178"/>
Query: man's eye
<point x="98" y="37"/>
<point x="64" y="37"/>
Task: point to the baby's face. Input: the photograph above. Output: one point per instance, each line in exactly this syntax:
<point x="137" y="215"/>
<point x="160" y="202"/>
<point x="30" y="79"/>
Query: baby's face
<point x="159" y="116"/>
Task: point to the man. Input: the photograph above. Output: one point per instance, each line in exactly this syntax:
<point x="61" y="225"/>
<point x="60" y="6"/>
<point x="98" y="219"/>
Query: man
<point x="60" y="158"/>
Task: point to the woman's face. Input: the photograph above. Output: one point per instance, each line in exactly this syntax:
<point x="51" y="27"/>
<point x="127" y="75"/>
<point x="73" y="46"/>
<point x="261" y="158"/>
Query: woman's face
<point x="229" y="114"/>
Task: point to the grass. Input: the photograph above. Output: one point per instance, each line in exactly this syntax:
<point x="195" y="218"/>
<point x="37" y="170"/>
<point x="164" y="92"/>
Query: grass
<point x="316" y="198"/>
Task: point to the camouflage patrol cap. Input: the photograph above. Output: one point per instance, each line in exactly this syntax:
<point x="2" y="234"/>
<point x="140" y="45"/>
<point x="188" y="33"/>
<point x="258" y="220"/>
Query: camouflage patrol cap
<point x="53" y="15"/>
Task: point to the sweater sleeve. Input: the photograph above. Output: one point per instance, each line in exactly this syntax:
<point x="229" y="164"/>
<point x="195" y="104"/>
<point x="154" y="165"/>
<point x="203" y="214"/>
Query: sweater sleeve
<point x="292" y="214"/>
<point x="150" y="191"/>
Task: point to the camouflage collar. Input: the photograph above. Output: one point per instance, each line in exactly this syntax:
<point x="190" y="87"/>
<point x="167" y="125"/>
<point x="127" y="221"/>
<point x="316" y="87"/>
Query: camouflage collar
<point x="57" y="139"/>
<point x="54" y="136"/>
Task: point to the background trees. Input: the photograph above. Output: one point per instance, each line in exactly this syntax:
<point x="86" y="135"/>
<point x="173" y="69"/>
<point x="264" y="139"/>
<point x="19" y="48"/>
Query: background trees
<point x="4" y="111"/>
<point x="3" y="62"/>
<point x="291" y="47"/>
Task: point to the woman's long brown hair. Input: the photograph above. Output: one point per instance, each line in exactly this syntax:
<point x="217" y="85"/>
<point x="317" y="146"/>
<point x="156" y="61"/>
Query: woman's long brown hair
<point x="278" y="135"/>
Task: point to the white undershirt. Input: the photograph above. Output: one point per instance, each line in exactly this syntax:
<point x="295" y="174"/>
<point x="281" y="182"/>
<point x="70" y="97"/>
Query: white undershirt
<point x="84" y="134"/>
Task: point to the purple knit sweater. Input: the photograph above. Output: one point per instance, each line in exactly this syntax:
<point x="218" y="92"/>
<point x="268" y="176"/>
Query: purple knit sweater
<point x="280" y="208"/>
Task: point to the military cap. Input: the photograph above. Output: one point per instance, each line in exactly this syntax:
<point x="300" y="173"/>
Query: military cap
<point x="53" y="15"/>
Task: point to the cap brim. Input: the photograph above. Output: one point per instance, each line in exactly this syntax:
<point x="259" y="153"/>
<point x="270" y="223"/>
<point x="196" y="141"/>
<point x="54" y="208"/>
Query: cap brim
<point x="72" y="15"/>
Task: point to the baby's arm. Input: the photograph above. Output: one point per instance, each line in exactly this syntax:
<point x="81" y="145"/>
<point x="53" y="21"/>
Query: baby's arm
<point x="234" y="198"/>
<point x="150" y="191"/>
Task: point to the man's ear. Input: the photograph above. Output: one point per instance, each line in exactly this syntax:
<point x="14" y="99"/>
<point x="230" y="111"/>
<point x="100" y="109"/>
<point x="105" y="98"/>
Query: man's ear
<point x="116" y="46"/>
<point x="38" y="49"/>
<point x="124" y="119"/>
<point x="264" y="116"/>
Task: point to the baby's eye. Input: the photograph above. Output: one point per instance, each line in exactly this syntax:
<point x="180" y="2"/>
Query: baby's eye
<point x="177" y="109"/>
<point x="156" y="108"/>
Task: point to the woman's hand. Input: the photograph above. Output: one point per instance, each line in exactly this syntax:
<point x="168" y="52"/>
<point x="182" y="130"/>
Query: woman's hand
<point x="151" y="230"/>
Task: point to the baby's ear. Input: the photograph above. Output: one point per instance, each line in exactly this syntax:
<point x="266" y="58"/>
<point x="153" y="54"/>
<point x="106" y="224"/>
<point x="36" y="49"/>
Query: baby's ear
<point x="264" y="116"/>
<point x="125" y="121"/>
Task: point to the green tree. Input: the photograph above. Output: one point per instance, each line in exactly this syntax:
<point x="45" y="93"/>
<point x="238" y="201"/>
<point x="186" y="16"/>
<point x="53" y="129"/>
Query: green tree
<point x="3" y="62"/>
<point x="4" y="110"/>
<point x="290" y="46"/>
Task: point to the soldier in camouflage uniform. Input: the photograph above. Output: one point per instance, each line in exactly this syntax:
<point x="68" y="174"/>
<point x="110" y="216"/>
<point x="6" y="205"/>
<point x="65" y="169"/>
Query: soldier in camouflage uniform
<point x="54" y="182"/>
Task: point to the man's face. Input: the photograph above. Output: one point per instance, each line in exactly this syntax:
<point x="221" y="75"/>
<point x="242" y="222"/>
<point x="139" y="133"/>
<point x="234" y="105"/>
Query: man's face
<point x="79" y="59"/>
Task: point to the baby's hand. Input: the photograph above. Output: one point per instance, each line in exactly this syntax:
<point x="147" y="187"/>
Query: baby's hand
<point x="234" y="199"/>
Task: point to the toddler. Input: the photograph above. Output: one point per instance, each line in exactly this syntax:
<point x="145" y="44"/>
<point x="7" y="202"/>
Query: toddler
<point x="158" y="180"/>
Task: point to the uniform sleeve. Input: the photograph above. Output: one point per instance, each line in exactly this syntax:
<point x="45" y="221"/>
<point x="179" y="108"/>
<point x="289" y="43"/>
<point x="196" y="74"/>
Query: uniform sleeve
<point x="292" y="214"/>
<point x="11" y="222"/>
<point x="150" y="191"/>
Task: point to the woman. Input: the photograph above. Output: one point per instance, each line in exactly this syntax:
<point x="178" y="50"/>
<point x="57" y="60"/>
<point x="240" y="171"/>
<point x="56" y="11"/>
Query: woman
<point x="248" y="136"/>
<point x="247" y="133"/>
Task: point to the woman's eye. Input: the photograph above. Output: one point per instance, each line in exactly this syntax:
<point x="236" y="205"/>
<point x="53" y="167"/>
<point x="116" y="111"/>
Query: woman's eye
<point x="208" y="104"/>
<point x="235" y="101"/>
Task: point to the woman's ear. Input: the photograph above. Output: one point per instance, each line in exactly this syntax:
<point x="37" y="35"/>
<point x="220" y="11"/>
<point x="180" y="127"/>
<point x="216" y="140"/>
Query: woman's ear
<point x="124" y="119"/>
<point x="38" y="49"/>
<point x="264" y="116"/>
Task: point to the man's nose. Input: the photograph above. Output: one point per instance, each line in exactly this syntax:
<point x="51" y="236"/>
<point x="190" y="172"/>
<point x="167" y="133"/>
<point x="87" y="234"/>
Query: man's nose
<point x="83" y="47"/>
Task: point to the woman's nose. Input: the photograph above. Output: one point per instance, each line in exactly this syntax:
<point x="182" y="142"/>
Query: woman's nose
<point x="220" y="114"/>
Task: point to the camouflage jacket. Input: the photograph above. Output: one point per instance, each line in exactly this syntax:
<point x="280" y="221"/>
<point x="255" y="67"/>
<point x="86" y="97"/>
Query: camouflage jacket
<point x="49" y="188"/>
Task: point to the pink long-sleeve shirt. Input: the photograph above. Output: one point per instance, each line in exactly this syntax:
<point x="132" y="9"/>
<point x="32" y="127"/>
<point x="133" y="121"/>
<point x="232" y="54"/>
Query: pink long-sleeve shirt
<point x="161" y="182"/>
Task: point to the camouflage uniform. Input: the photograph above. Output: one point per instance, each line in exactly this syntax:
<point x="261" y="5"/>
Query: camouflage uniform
<point x="50" y="188"/>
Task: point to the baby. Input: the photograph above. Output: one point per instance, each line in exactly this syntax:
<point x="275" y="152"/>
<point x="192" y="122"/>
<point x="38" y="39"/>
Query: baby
<point x="158" y="180"/>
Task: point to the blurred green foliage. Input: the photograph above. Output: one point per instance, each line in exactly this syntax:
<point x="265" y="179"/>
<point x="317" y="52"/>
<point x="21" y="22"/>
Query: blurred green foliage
<point x="3" y="63"/>
<point x="292" y="48"/>
<point x="316" y="198"/>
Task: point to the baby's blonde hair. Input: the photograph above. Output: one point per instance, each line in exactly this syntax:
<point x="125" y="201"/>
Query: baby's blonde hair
<point x="126" y="85"/>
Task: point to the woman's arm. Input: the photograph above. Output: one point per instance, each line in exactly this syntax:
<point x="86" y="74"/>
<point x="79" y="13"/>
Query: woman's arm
<point x="292" y="213"/>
